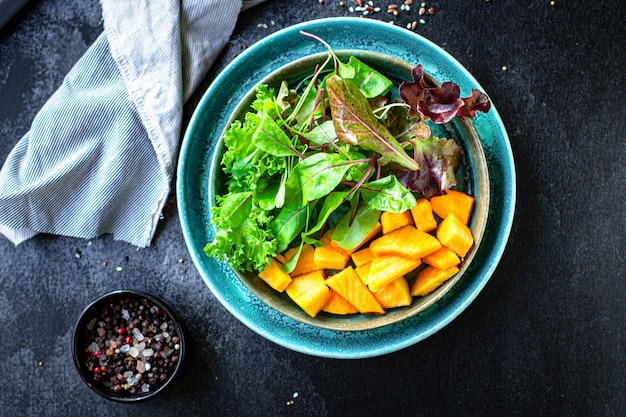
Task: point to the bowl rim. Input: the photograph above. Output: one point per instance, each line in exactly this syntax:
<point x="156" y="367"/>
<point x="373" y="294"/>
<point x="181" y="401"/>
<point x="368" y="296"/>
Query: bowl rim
<point x="77" y="338"/>
<point x="467" y="139"/>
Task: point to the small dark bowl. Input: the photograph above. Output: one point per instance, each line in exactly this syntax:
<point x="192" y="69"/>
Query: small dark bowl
<point x="87" y="361"/>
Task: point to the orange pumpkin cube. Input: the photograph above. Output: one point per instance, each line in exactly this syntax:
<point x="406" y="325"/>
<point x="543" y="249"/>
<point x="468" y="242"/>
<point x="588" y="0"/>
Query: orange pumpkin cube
<point x="305" y="262"/>
<point x="423" y="217"/>
<point x="328" y="258"/>
<point x="281" y="258"/>
<point x="395" y="294"/>
<point x="327" y="237"/>
<point x="430" y="278"/>
<point x="336" y="304"/>
<point x="442" y="258"/>
<point x="454" y="234"/>
<point x="348" y="284"/>
<point x="457" y="202"/>
<point x="387" y="268"/>
<point x="274" y="276"/>
<point x="406" y="241"/>
<point x="363" y="272"/>
<point x="362" y="257"/>
<point x="392" y="221"/>
<point x="309" y="292"/>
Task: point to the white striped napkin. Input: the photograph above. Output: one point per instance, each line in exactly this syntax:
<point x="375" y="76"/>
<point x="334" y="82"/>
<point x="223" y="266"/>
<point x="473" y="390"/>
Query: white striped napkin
<point x="100" y="155"/>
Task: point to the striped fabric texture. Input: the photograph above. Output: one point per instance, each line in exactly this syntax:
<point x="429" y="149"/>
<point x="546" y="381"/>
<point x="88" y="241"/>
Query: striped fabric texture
<point x="100" y="155"/>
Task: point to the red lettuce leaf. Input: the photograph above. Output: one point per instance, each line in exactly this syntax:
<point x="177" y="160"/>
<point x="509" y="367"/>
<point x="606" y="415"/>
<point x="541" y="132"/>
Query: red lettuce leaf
<point x="438" y="160"/>
<point x="413" y="92"/>
<point x="440" y="104"/>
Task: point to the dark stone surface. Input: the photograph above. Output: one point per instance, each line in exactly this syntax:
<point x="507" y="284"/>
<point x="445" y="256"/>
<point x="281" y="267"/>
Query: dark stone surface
<point x="545" y="337"/>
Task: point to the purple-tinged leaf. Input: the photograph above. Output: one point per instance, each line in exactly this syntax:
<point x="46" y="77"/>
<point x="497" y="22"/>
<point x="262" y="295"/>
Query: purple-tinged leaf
<point x="356" y="124"/>
<point x="439" y="161"/>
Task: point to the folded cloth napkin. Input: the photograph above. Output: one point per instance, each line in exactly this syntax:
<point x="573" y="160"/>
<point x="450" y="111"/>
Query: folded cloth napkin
<point x="100" y="155"/>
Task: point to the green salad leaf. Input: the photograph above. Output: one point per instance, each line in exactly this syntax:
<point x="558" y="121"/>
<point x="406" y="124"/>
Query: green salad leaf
<point x="332" y="152"/>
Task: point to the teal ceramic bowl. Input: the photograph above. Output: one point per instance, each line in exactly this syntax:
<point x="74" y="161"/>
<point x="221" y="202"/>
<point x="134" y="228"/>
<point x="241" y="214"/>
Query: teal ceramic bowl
<point x="489" y="176"/>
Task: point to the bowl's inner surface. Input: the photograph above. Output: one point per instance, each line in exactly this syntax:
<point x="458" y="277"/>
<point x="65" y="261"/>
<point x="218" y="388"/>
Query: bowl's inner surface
<point x="472" y="177"/>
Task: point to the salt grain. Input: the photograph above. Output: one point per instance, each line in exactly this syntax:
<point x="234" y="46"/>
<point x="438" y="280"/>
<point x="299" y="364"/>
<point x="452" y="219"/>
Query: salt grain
<point x="137" y="334"/>
<point x="133" y="352"/>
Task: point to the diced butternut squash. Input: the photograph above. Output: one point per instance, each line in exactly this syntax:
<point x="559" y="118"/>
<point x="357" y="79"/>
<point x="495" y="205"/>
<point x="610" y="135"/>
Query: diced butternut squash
<point x="309" y="292"/>
<point x="305" y="262"/>
<point x="274" y="276"/>
<point x="328" y="258"/>
<point x="457" y="202"/>
<point x="362" y="257"/>
<point x="387" y="268"/>
<point x="363" y="272"/>
<point x="442" y="258"/>
<point x="281" y="258"/>
<point x="327" y="237"/>
<point x="406" y="241"/>
<point x="327" y="240"/>
<point x="430" y="278"/>
<point x="395" y="294"/>
<point x="336" y="304"/>
<point x="423" y="217"/>
<point x="454" y="234"/>
<point x="371" y="276"/>
<point x="392" y="221"/>
<point x="348" y="284"/>
<point x="370" y="235"/>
